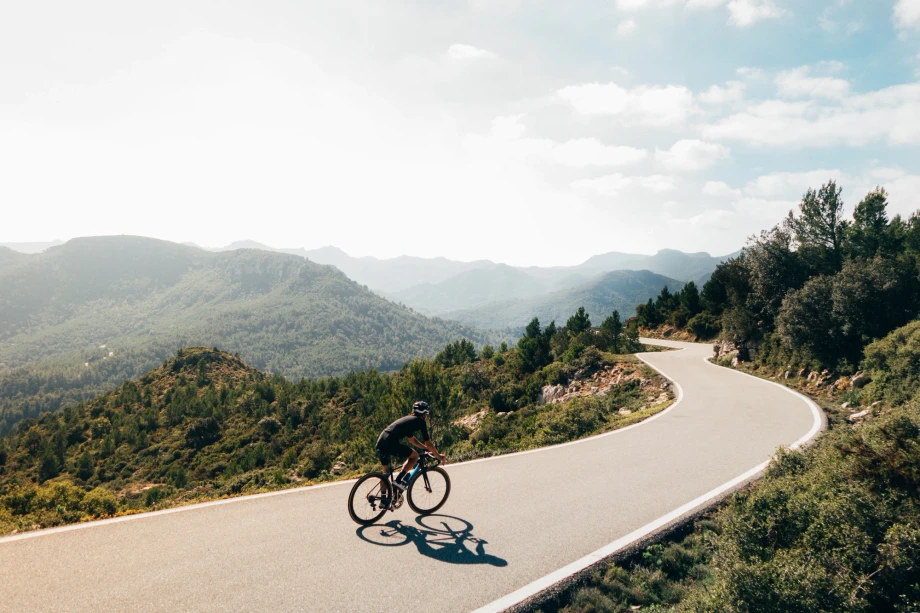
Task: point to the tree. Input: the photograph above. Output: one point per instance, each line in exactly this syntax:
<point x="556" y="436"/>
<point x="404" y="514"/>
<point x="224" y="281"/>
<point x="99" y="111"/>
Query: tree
<point x="647" y="314"/>
<point x="774" y="269"/>
<point x="578" y="323"/>
<point x="806" y="323"/>
<point x="869" y="232"/>
<point x="85" y="466"/>
<point x="729" y="286"/>
<point x="487" y="352"/>
<point x="690" y="299"/>
<point x="666" y="302"/>
<point x="612" y="327"/>
<point x="820" y="227"/>
<point x="534" y="347"/>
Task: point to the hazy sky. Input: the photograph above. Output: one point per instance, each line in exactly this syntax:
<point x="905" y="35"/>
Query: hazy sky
<point x="525" y="132"/>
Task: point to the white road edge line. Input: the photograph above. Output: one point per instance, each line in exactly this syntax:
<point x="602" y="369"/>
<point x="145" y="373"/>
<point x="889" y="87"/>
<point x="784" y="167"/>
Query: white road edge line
<point x="307" y="488"/>
<point x="535" y="587"/>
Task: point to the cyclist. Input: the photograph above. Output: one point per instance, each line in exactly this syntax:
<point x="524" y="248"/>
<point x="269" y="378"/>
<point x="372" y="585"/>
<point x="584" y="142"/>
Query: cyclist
<point x="389" y="444"/>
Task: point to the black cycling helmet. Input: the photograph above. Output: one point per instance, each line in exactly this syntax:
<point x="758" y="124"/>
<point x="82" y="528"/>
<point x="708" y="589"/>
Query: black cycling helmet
<point x="421" y="408"/>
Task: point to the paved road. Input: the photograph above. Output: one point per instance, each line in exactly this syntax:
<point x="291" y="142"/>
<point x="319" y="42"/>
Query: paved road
<point x="509" y="521"/>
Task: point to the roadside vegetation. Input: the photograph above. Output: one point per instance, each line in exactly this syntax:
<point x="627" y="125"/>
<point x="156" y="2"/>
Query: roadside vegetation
<point x="206" y="425"/>
<point x="827" y="305"/>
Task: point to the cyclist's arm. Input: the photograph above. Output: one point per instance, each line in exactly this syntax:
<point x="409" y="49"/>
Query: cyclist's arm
<point x="429" y="446"/>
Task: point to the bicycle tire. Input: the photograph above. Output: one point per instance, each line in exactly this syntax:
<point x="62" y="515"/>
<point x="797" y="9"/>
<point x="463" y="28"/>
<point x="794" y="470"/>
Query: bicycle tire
<point x="425" y="509"/>
<point x="384" y="490"/>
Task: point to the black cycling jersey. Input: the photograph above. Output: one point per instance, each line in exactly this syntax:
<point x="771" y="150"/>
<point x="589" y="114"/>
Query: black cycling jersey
<point x="405" y="427"/>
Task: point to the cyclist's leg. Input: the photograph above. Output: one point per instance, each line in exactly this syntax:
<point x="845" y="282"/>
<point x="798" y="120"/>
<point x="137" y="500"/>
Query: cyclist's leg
<point x="405" y="450"/>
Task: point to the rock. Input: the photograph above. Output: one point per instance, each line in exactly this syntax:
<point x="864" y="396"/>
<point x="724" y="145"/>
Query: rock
<point x="735" y="362"/>
<point x="845" y="405"/>
<point x="624" y="411"/>
<point x="859" y="380"/>
<point x="593" y="389"/>
<point x="875" y="404"/>
<point x="788" y="374"/>
<point x="550" y="393"/>
<point x="858" y="416"/>
<point x="842" y="383"/>
<point x="802" y="372"/>
<point x="471" y="421"/>
<point x="338" y="468"/>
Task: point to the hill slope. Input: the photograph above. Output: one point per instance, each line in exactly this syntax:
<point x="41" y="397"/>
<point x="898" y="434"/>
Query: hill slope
<point x="621" y="290"/>
<point x="82" y="317"/>
<point x="471" y="289"/>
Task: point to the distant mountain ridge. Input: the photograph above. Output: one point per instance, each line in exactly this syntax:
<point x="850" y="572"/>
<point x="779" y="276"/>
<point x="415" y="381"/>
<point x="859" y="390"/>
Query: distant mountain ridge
<point x="63" y="311"/>
<point x="620" y="289"/>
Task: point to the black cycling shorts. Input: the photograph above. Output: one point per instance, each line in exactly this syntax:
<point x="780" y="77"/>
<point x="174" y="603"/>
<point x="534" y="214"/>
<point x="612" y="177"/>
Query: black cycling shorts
<point x="387" y="449"/>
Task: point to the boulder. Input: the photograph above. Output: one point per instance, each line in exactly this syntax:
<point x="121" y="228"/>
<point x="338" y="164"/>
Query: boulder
<point x="858" y="416"/>
<point x="550" y="394"/>
<point x="859" y="380"/>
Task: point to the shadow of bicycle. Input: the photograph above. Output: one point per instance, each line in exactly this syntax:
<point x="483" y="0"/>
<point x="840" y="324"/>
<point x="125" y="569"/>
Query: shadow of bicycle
<point x="441" y="537"/>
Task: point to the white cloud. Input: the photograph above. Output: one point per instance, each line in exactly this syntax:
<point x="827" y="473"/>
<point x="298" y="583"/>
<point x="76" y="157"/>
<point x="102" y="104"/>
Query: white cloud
<point x="627" y="27"/>
<point x="583" y="152"/>
<point x="461" y="52"/>
<point x="748" y="12"/>
<point x="720" y="189"/>
<point x="790" y="185"/>
<point x="731" y="92"/>
<point x="763" y="210"/>
<point x="712" y="218"/>
<point x="891" y="114"/>
<point x="798" y="83"/>
<point x="508" y="127"/>
<point x="506" y="141"/>
<point x="613" y="184"/>
<point x="649" y="105"/>
<point x="907" y="14"/>
<point x="635" y="5"/>
<point x="692" y="155"/>
<point x="747" y="72"/>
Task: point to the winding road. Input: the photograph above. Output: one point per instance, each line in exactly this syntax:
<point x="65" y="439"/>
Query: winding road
<point x="513" y="525"/>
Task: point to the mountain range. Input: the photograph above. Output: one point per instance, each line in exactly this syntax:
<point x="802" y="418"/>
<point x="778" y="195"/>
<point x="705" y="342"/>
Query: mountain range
<point x="463" y="290"/>
<point x="81" y="317"/>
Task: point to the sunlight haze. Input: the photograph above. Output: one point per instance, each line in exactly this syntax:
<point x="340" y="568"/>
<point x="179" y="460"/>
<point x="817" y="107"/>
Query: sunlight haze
<point x="530" y="133"/>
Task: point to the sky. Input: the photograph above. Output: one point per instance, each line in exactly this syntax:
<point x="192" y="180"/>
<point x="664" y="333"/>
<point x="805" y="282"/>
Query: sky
<point x="526" y="132"/>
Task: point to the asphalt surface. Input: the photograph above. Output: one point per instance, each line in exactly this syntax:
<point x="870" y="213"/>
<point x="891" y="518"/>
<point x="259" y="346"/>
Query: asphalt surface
<point x="509" y="521"/>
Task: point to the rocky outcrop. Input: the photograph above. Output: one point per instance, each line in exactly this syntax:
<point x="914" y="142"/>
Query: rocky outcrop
<point x="736" y="352"/>
<point x="550" y="393"/>
<point x="472" y="420"/>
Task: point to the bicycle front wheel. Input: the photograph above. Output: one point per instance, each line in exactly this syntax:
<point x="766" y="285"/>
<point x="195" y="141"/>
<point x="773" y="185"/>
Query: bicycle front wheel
<point x="429" y="490"/>
<point x="366" y="501"/>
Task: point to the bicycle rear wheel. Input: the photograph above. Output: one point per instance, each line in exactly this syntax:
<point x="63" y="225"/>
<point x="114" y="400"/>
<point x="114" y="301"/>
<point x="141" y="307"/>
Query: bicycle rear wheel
<point x="365" y="500"/>
<point x="429" y="490"/>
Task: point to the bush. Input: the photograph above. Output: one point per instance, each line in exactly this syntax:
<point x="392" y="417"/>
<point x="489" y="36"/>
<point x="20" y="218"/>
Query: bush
<point x="894" y="365"/>
<point x="100" y="502"/>
<point x="704" y="325"/>
<point x="202" y="432"/>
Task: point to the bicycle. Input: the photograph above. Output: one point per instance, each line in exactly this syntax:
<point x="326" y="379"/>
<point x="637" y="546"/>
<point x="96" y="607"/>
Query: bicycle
<point x="376" y="493"/>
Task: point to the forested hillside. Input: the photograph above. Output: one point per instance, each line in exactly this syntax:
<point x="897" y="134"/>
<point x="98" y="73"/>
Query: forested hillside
<point x="480" y="287"/>
<point x="621" y="290"/>
<point x="205" y="424"/>
<point x="82" y="317"/>
<point x="828" y="304"/>
<point x="815" y="289"/>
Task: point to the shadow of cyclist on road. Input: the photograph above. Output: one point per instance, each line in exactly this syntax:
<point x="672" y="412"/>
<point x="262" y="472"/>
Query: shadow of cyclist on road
<point x="440" y="537"/>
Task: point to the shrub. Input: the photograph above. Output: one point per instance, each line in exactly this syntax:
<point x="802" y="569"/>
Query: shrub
<point x="100" y="502"/>
<point x="704" y="325"/>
